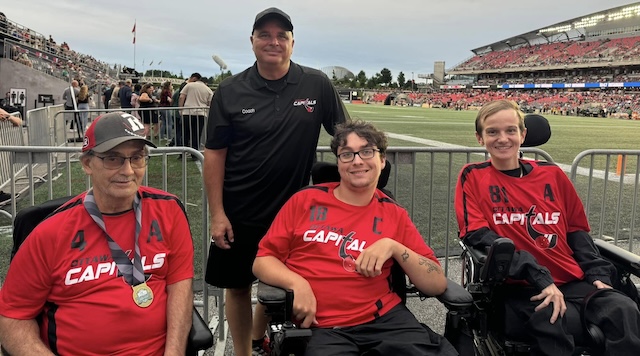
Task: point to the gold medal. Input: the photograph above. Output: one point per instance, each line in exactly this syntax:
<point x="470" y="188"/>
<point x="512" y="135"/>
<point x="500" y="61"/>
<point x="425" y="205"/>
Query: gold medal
<point x="142" y="295"/>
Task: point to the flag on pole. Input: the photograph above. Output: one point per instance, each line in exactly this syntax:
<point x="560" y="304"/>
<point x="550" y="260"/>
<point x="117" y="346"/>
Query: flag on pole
<point x="134" y="32"/>
<point x="151" y="63"/>
<point x="159" y="63"/>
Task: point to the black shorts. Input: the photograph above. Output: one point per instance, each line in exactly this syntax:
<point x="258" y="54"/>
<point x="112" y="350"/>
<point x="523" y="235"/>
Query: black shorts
<point x="232" y="268"/>
<point x="149" y="117"/>
<point x="397" y="332"/>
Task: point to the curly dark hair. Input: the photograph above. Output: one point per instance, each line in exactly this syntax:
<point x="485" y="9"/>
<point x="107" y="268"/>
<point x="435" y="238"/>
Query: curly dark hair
<point x="363" y="129"/>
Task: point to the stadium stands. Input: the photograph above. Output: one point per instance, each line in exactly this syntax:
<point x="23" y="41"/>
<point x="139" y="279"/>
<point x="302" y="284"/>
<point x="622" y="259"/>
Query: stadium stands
<point x="34" y="50"/>
<point x="555" y="54"/>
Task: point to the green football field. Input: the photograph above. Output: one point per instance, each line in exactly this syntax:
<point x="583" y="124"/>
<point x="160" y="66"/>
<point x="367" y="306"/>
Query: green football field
<point x="569" y="134"/>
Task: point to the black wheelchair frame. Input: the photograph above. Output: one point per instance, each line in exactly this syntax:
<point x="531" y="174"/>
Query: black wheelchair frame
<point x="484" y="270"/>
<point x="200" y="336"/>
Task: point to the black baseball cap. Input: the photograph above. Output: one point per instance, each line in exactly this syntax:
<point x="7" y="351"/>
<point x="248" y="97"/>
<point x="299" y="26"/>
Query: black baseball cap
<point x="112" y="129"/>
<point x="272" y="13"/>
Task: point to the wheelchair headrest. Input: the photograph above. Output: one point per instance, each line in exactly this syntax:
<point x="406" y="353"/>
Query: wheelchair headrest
<point x="324" y="172"/>
<point x="538" y="130"/>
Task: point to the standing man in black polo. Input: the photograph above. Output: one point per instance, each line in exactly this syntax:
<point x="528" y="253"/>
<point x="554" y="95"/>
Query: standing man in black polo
<point x="262" y="135"/>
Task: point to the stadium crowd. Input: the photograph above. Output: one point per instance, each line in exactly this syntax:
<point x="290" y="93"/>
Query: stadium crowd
<point x="555" y="101"/>
<point x="558" y="53"/>
<point x="34" y="50"/>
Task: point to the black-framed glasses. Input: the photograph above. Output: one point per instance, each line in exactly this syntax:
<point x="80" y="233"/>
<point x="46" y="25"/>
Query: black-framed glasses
<point x="366" y="153"/>
<point x="115" y="162"/>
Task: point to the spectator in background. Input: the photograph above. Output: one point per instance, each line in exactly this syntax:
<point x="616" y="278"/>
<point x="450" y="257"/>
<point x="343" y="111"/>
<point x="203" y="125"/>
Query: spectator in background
<point x="166" y="128"/>
<point x="70" y="103"/>
<point x="195" y="94"/>
<point x="114" y="102"/>
<point x="175" y="101"/>
<point x="7" y="99"/>
<point x="149" y="117"/>
<point x="3" y="23"/>
<point x="7" y="117"/>
<point x="135" y="102"/>
<point x="125" y="95"/>
<point x="83" y="105"/>
<point x="106" y="96"/>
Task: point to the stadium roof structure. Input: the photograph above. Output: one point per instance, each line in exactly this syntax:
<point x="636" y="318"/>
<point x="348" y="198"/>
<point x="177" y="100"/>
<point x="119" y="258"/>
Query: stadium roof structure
<point x="615" y="22"/>
<point x="339" y="72"/>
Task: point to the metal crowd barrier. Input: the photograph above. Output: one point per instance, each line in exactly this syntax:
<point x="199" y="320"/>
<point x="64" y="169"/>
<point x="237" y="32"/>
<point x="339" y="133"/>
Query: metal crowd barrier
<point x="10" y="135"/>
<point x="170" y="115"/>
<point x="608" y="182"/>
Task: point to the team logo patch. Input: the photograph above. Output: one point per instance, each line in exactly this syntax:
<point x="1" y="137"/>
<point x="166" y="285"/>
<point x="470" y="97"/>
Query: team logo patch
<point x="543" y="241"/>
<point x="307" y="103"/>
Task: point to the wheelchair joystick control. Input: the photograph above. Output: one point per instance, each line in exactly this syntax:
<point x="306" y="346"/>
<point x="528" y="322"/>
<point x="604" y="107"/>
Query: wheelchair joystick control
<point x="498" y="261"/>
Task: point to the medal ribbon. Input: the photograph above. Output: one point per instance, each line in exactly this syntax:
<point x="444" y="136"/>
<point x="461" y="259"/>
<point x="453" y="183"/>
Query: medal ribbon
<point x="132" y="271"/>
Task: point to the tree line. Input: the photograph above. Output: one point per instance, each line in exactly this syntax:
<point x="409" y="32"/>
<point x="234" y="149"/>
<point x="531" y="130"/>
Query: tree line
<point x="382" y="79"/>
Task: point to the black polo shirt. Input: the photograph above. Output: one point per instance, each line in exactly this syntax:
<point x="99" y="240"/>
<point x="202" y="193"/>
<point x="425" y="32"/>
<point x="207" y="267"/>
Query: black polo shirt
<point x="271" y="137"/>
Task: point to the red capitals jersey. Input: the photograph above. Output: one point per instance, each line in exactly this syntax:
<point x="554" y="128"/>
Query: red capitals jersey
<point x="536" y="211"/>
<point x="64" y="273"/>
<point x="319" y="237"/>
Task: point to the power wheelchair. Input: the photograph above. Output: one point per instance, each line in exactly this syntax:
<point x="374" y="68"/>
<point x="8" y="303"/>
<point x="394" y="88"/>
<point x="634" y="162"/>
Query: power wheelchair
<point x="287" y="339"/>
<point x="200" y="336"/>
<point x="484" y="271"/>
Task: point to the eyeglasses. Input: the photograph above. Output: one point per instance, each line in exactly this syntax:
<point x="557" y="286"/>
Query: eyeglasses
<point x="367" y="153"/>
<point x="115" y="162"/>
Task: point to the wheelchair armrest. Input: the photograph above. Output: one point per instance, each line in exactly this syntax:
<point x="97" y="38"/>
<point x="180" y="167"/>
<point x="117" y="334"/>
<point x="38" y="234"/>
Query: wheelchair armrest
<point x="286" y="338"/>
<point x="492" y="262"/>
<point x="277" y="301"/>
<point x="619" y="256"/>
<point x="455" y="297"/>
<point x="200" y="336"/>
<point x="268" y="294"/>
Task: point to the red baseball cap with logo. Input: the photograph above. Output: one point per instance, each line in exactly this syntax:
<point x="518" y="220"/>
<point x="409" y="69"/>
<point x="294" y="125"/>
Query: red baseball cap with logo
<point x="112" y="129"/>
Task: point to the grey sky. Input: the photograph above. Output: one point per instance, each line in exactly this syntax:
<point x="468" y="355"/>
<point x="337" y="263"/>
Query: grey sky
<point x="404" y="35"/>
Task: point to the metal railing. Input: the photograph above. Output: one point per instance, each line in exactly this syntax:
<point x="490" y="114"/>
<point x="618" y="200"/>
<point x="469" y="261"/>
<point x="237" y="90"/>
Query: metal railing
<point x="608" y="182"/>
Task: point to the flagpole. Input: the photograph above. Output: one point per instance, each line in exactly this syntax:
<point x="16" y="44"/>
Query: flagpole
<point x="134" y="43"/>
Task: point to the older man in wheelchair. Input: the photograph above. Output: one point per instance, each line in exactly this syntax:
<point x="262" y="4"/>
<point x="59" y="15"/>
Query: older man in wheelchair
<point x="334" y="244"/>
<point x="72" y="290"/>
<point x="557" y="295"/>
